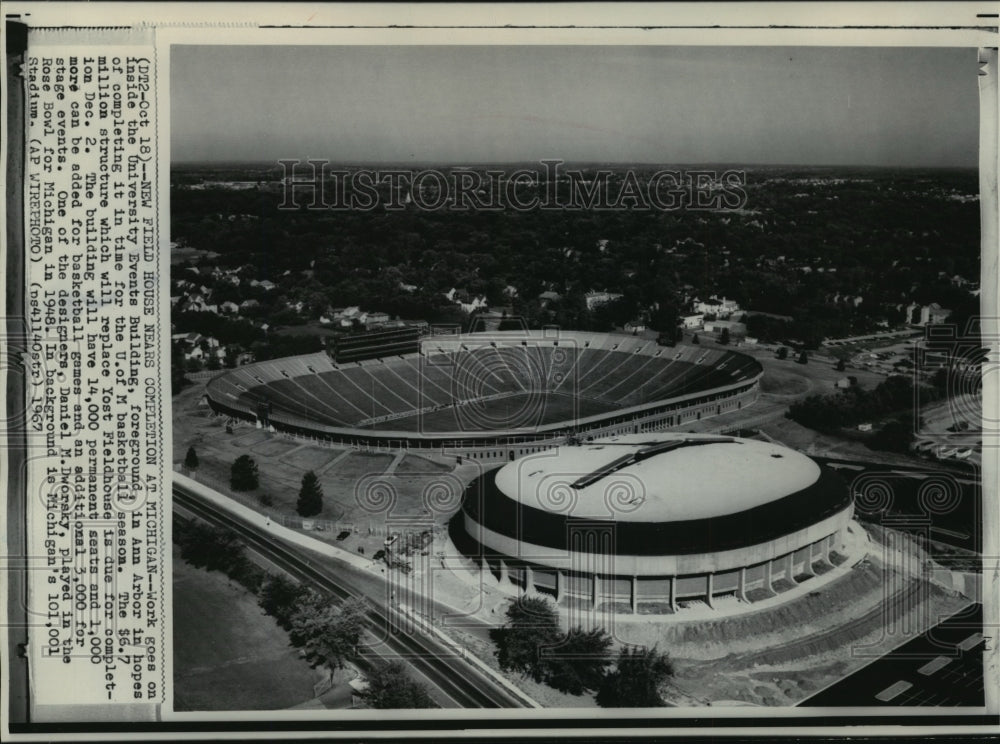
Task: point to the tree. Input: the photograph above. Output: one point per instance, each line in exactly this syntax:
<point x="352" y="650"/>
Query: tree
<point x="895" y="436"/>
<point x="803" y="358"/>
<point x="310" y="501"/>
<point x="724" y="337"/>
<point x="217" y="549"/>
<point x="177" y="379"/>
<point x="664" y="318"/>
<point x="579" y="662"/>
<point x="695" y="339"/>
<point x="329" y="632"/>
<point x="279" y="597"/>
<point x="532" y="624"/>
<point x="212" y="548"/>
<point x="532" y="643"/>
<point x="636" y="680"/>
<point x="391" y="687"/>
<point x="340" y="638"/>
<point x="243" y="476"/>
<point x="782" y="352"/>
<point x="191" y="459"/>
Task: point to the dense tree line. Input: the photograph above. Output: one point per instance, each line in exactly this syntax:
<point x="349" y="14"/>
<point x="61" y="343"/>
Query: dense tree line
<point x="328" y="632"/>
<point x="390" y="687"/>
<point x="854" y="405"/>
<point x="217" y="549"/>
<point x="532" y="643"/>
<point x="577" y="661"/>
<point x="635" y="682"/>
<point x="893" y="236"/>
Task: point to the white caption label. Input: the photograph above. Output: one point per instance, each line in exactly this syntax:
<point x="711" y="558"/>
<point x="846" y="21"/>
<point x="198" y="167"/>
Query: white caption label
<point x="96" y="501"/>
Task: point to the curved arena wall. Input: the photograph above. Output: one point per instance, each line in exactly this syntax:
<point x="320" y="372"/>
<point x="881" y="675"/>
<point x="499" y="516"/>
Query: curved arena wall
<point x="737" y="555"/>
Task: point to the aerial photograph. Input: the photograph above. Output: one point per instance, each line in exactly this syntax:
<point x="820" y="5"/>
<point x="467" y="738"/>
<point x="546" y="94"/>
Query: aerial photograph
<point x="575" y="377"/>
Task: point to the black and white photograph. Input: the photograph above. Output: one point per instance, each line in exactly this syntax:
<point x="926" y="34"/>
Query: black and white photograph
<point x="620" y="381"/>
<point x="606" y="354"/>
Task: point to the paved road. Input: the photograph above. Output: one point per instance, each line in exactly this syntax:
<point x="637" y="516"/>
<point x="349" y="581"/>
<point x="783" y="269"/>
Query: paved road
<point x="942" y="667"/>
<point x="457" y="680"/>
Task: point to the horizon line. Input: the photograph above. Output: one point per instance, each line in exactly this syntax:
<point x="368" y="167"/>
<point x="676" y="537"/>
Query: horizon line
<point x="467" y="164"/>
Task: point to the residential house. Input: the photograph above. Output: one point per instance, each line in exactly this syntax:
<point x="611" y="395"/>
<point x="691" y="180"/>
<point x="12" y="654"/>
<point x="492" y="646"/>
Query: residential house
<point x="721" y="309"/>
<point x="933" y="314"/>
<point x="548" y="298"/>
<point x="596" y="299"/>
<point x="375" y="319"/>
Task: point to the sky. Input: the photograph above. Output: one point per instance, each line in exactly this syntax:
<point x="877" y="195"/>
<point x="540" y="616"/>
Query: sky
<point x="670" y="105"/>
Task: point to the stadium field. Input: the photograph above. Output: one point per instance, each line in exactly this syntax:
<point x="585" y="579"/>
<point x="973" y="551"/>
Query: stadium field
<point x="503" y="382"/>
<point x="519" y="410"/>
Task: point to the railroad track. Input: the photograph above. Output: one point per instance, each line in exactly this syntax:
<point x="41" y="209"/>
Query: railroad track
<point x="456" y="679"/>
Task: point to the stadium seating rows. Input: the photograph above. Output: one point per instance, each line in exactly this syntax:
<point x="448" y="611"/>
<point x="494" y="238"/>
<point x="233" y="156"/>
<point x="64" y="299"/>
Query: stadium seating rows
<point x="617" y="370"/>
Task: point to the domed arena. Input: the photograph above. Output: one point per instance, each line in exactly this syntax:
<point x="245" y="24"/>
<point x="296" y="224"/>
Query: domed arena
<point x="657" y="520"/>
<point x="489" y="396"/>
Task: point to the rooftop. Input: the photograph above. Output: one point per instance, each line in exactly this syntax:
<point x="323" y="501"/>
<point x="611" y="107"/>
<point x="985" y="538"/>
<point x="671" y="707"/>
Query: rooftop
<point x="657" y="477"/>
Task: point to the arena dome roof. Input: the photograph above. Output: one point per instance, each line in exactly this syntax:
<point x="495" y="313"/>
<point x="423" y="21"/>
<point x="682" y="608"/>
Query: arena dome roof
<point x="657" y="477"/>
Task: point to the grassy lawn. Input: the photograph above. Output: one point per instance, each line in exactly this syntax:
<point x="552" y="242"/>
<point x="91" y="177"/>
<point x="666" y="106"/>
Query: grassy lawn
<point x="311" y="458"/>
<point x="273" y="448"/>
<point x="359" y="464"/>
<point x="412" y="464"/>
<point x="229" y="655"/>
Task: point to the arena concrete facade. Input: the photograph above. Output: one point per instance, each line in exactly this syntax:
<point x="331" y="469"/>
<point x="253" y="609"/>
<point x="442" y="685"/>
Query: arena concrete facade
<point x="634" y="519"/>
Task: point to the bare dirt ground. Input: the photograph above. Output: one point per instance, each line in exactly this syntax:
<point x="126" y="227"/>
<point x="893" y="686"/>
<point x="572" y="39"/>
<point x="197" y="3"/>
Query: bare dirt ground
<point x="782" y="655"/>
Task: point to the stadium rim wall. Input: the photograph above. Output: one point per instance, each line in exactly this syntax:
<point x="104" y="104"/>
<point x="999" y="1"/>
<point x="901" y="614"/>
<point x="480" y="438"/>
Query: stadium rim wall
<point x="504" y="446"/>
